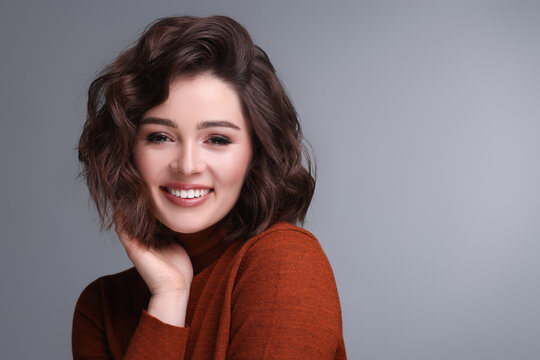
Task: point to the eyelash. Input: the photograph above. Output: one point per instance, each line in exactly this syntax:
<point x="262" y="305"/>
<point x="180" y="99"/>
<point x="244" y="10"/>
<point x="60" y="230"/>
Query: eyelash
<point x="157" y="138"/>
<point x="218" y="140"/>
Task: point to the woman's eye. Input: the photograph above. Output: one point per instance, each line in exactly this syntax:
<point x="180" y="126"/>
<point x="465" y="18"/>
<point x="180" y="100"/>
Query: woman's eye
<point x="157" y="138"/>
<point x="219" y="140"/>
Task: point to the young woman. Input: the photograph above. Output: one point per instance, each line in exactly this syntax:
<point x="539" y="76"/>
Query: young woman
<point x="192" y="150"/>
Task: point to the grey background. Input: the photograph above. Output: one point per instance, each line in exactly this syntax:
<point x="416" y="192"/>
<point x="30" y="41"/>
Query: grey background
<point x="425" y="119"/>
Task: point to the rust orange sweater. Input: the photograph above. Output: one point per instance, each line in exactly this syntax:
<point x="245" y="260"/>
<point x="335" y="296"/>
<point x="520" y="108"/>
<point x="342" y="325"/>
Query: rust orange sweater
<point x="274" y="297"/>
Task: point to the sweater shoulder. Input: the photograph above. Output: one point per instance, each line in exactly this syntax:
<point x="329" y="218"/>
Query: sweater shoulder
<point x="287" y="245"/>
<point x="283" y="234"/>
<point x="283" y="283"/>
<point x="110" y="287"/>
<point x="119" y="279"/>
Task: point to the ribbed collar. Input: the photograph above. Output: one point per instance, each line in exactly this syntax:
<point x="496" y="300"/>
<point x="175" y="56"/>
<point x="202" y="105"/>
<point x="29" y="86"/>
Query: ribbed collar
<point x="204" y="247"/>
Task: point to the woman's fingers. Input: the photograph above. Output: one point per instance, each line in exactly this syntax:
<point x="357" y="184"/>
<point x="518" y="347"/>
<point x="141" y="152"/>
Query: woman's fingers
<point x="133" y="246"/>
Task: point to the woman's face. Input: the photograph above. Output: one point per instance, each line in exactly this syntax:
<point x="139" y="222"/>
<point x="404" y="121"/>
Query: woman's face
<point x="193" y="151"/>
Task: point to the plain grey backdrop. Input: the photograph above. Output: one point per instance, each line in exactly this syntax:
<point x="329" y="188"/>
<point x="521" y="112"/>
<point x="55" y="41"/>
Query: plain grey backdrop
<point x="425" y="119"/>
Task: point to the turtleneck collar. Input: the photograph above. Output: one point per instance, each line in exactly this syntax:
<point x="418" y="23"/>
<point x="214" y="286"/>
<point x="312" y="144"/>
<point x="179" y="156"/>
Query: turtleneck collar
<point x="204" y="247"/>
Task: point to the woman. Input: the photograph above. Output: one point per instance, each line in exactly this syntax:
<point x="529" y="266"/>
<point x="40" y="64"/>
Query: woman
<point x="193" y="151"/>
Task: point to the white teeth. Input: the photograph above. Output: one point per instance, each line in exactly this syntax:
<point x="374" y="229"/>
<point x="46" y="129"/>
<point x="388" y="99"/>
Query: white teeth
<point x="188" y="194"/>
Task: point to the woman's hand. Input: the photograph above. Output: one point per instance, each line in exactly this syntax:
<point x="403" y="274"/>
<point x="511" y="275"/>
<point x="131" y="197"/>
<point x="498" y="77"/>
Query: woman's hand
<point x="168" y="274"/>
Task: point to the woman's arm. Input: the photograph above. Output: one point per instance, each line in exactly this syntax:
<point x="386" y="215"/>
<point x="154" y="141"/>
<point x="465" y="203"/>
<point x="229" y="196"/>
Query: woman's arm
<point x="152" y="339"/>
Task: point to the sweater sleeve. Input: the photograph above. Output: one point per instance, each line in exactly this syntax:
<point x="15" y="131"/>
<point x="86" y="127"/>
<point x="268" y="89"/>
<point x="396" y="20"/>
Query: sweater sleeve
<point x="152" y="338"/>
<point x="285" y="303"/>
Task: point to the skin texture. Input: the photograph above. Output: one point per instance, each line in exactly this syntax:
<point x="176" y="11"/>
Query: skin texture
<point x="197" y="139"/>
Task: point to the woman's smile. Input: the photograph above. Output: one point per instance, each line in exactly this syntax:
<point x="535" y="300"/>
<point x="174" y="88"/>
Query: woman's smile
<point x="187" y="195"/>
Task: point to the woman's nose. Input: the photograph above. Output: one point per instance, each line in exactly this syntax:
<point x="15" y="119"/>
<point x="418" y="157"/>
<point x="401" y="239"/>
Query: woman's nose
<point x="188" y="160"/>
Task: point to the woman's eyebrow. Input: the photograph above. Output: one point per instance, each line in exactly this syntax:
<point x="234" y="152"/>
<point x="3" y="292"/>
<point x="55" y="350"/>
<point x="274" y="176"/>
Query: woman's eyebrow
<point x="159" y="121"/>
<point x="200" y="126"/>
<point x="216" y="123"/>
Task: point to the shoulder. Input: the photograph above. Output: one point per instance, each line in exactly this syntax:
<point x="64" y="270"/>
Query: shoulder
<point x="105" y="288"/>
<point x="284" y="282"/>
<point x="103" y="283"/>
<point x="286" y="251"/>
<point x="284" y="238"/>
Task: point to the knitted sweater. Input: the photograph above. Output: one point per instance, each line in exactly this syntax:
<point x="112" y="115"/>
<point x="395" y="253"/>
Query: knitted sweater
<point x="273" y="297"/>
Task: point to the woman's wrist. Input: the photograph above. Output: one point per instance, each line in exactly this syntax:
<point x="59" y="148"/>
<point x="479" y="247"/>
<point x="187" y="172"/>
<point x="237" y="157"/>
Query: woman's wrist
<point x="169" y="308"/>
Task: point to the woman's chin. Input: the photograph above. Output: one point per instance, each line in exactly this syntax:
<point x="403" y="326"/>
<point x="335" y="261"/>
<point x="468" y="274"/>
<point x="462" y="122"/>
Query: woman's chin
<point x="182" y="229"/>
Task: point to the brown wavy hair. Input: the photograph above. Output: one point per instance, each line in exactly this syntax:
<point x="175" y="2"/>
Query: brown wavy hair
<point x="277" y="187"/>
